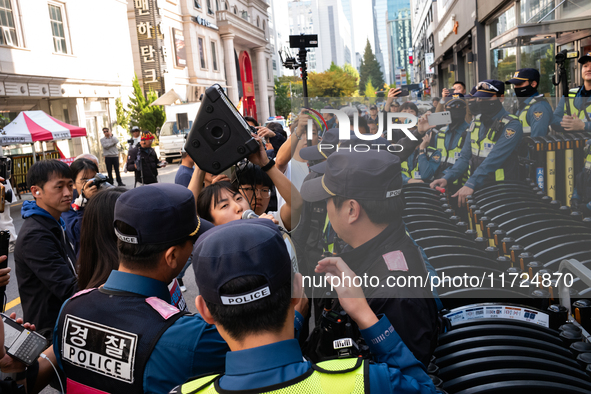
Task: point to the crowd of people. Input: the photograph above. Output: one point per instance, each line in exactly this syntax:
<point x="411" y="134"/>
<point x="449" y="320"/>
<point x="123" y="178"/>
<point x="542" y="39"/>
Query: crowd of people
<point x="97" y="267"/>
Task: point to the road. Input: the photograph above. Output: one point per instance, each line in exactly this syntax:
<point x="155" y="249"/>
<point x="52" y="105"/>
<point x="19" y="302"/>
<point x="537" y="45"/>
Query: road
<point x="166" y="175"/>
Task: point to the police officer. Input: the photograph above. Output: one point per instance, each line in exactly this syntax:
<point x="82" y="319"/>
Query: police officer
<point x="490" y="154"/>
<point x="577" y="115"/>
<point x="126" y="337"/>
<point x="238" y="282"/>
<point x="533" y="110"/>
<point x="450" y="139"/>
<point x="362" y="191"/>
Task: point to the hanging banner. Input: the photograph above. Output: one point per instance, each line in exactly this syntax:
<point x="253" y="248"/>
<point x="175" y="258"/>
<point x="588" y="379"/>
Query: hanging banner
<point x="180" y="54"/>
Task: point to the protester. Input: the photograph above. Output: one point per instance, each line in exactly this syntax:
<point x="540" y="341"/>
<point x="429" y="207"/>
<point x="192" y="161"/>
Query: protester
<point x="275" y="135"/>
<point x="458" y="87"/>
<point x="44" y="257"/>
<point x="132" y="312"/>
<point x="435" y="102"/>
<point x="264" y="355"/>
<point x="111" y="153"/>
<point x="144" y="161"/>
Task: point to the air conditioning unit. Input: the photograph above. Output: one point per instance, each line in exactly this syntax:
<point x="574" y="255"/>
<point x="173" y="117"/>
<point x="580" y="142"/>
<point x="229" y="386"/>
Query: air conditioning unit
<point x="194" y="93"/>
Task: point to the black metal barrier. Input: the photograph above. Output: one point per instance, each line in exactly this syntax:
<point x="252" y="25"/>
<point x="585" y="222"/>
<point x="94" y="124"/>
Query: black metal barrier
<point x="506" y="337"/>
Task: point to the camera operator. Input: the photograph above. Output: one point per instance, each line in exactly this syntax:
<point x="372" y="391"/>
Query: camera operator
<point x="264" y="355"/>
<point x="44" y="257"/>
<point x="579" y="117"/>
<point x="144" y="161"/>
<point x="144" y="343"/>
<point x="84" y="173"/>
<point x="135" y="137"/>
<point x="363" y="198"/>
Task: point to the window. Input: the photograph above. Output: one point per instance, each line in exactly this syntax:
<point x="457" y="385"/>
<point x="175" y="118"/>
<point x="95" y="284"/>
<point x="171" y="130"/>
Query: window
<point x="58" y="29"/>
<point x="214" y="56"/>
<point x="209" y="7"/>
<point x="202" y="53"/>
<point x="197" y="4"/>
<point x="264" y="25"/>
<point x="8" y="34"/>
<point x="258" y="22"/>
<point x="235" y="10"/>
<point x="504" y="22"/>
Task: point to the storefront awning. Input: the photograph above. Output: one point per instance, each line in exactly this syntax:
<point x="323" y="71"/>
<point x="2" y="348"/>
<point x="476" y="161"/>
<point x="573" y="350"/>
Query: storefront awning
<point x="32" y="126"/>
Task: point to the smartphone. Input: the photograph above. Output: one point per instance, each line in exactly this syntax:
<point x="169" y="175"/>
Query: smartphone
<point x="20" y="343"/>
<point x="439" y="118"/>
<point x="403" y="92"/>
<point x="229" y="172"/>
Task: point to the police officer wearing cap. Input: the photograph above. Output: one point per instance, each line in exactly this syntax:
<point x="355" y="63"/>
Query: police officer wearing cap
<point x="252" y="276"/>
<point x="576" y="116"/>
<point x="449" y="140"/>
<point x="490" y="153"/>
<point x="363" y="198"/>
<point x="126" y="337"/>
<point x="533" y="110"/>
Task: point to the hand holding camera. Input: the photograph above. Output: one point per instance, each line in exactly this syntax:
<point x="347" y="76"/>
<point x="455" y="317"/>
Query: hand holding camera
<point x="351" y="297"/>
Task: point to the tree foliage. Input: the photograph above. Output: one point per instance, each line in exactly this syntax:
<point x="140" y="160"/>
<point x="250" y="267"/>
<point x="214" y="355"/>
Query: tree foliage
<point x="335" y="83"/>
<point x="282" y="101"/>
<point x="148" y="118"/>
<point x="370" y="91"/>
<point x="369" y="69"/>
<point x="122" y="114"/>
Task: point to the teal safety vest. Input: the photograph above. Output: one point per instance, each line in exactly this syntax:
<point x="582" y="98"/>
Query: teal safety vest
<point x="450" y="156"/>
<point x="584" y="113"/>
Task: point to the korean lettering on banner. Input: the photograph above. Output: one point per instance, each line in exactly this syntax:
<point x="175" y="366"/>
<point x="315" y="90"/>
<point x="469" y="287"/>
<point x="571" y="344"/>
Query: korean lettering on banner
<point x="151" y="43"/>
<point x="105" y="350"/>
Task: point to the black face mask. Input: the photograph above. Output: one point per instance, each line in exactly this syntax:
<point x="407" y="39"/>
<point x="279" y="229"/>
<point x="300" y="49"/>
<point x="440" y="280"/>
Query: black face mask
<point x="490" y="108"/>
<point x="527" y="91"/>
<point x="457" y="116"/>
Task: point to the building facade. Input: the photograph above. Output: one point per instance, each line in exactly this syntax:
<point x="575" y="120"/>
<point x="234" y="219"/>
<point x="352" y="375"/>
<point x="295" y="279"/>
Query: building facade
<point x="205" y="42"/>
<point x="334" y="35"/>
<point x="528" y="33"/>
<point x="51" y="59"/>
<point x="380" y="34"/>
<point x="423" y="14"/>
<point x="458" y="45"/>
<point x="399" y="41"/>
<point x="302" y="20"/>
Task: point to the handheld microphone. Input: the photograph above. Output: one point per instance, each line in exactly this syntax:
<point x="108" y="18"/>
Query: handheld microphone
<point x="249" y="214"/>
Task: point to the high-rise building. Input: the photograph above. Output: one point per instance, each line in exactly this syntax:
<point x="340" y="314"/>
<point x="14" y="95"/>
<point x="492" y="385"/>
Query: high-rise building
<point x="399" y="42"/>
<point x="334" y="34"/>
<point x="348" y="11"/>
<point x="301" y="16"/>
<point x="276" y="40"/>
<point x="380" y="16"/>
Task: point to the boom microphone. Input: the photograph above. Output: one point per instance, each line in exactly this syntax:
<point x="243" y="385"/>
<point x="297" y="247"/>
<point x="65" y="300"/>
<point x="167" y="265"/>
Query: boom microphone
<point x="249" y="214"/>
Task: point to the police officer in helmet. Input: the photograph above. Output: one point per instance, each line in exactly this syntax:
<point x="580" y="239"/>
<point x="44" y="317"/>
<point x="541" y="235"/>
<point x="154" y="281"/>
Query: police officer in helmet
<point x="533" y="110"/>
<point x="238" y="280"/>
<point x="490" y="154"/>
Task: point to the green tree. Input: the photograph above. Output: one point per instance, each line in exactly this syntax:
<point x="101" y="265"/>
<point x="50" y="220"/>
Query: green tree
<point x="141" y="113"/>
<point x="335" y="83"/>
<point x="122" y="114"/>
<point x="370" y="91"/>
<point x="282" y="101"/>
<point x="334" y="67"/>
<point x="370" y="68"/>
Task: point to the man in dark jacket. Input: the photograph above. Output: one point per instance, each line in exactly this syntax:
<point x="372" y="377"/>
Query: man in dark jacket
<point x="144" y="161"/>
<point x="44" y="257"/>
<point x="364" y="204"/>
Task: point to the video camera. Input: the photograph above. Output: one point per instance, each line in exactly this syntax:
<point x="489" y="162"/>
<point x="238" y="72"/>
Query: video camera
<point x="220" y="137"/>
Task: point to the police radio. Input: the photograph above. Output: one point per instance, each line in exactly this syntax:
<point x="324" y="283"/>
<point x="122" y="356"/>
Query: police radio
<point x="20" y="343"/>
<point x="220" y="137"/>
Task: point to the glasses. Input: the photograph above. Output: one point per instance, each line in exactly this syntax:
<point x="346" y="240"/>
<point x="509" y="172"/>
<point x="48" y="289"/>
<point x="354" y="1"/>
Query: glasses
<point x="264" y="192"/>
<point x="486" y="86"/>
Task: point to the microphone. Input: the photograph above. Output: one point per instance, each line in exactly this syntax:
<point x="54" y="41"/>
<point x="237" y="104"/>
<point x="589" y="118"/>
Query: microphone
<point x="249" y="214"/>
